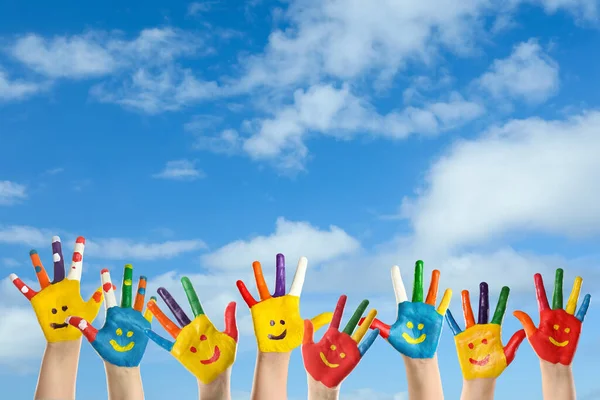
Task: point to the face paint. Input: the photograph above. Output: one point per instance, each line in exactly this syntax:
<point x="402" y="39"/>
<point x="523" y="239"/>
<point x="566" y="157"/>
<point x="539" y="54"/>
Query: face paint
<point x="278" y="326"/>
<point x="332" y="359"/>
<point x="198" y="346"/>
<point x="60" y="298"/>
<point x="122" y="340"/>
<point x="480" y="350"/>
<point x="416" y="332"/>
<point x="556" y="338"/>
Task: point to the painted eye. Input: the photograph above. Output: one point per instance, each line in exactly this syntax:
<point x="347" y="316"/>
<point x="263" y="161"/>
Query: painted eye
<point x="342" y="355"/>
<point x="129" y="334"/>
<point x="54" y="311"/>
<point x="567" y="330"/>
<point x="333" y="347"/>
<point x="420" y="327"/>
<point x="471" y="345"/>
<point x="193" y="349"/>
<point x="410" y="325"/>
<point x="556" y="327"/>
<point x="65" y="308"/>
<point x="119" y="331"/>
<point x="484" y="341"/>
<point x="272" y="323"/>
<point x="282" y="322"/>
<point x="203" y="337"/>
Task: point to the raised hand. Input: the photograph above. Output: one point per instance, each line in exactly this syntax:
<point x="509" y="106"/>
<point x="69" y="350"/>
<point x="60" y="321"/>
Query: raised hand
<point x="121" y="341"/>
<point x="277" y="323"/>
<point x="416" y="332"/>
<point x="555" y="340"/>
<point x="199" y="346"/>
<point x="332" y="359"/>
<point x="62" y="297"/>
<point x="480" y="350"/>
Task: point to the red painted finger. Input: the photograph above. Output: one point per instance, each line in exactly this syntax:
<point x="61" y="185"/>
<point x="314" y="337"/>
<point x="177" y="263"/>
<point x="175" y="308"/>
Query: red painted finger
<point x="384" y="329"/>
<point x="251" y="301"/>
<point x="540" y="292"/>
<point x="309" y="330"/>
<point x="23" y="288"/>
<point x="85" y="327"/>
<point x="338" y="313"/>
<point x="230" y="323"/>
<point x="513" y="344"/>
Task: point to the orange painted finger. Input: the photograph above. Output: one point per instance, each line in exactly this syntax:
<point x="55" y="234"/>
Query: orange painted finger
<point x="433" y="288"/>
<point x="163" y="320"/>
<point x="261" y="285"/>
<point x="40" y="271"/>
<point x="141" y="294"/>
<point x="467" y="310"/>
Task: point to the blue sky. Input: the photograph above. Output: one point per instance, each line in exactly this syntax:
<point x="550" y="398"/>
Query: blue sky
<point x="193" y="138"/>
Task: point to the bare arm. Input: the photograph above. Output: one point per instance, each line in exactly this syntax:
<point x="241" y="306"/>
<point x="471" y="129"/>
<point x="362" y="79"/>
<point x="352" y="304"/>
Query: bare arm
<point x="58" y="372"/>
<point x="557" y="381"/>
<point x="318" y="391"/>
<point x="219" y="389"/>
<point x="123" y="383"/>
<point x="270" y="376"/>
<point x="423" y="376"/>
<point x="478" y="389"/>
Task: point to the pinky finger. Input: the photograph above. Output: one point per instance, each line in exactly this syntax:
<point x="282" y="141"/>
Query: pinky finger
<point x="88" y="330"/>
<point x="23" y="288"/>
<point x="368" y="341"/>
<point x="159" y="340"/>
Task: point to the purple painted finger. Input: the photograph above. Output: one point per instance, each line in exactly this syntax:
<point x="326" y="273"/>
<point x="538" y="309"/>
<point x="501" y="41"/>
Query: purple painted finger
<point x="280" y="276"/>
<point x="59" y="262"/>
<point x="484" y="304"/>
<point x="177" y="311"/>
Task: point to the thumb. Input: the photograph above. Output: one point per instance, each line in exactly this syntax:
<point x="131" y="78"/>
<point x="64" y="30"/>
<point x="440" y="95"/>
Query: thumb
<point x="85" y="327"/>
<point x="513" y="344"/>
<point x="308" y="333"/>
<point x="526" y="321"/>
<point x="321" y="320"/>
<point x="230" y="322"/>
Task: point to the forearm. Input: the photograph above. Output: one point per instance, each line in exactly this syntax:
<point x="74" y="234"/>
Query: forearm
<point x="424" y="381"/>
<point x="557" y="381"/>
<point x="219" y="389"/>
<point x="58" y="372"/>
<point x="478" y="389"/>
<point x="123" y="383"/>
<point x="270" y="376"/>
<point x="318" y="391"/>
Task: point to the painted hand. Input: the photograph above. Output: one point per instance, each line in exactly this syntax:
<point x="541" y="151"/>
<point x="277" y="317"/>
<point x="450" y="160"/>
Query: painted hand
<point x="555" y="340"/>
<point x="62" y="297"/>
<point x="480" y="350"/>
<point x="332" y="359"/>
<point x="277" y="323"/>
<point x="121" y="341"/>
<point x="199" y="346"/>
<point x="416" y="332"/>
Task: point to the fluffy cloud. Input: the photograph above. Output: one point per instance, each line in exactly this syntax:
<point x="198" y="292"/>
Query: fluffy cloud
<point x="17" y="89"/>
<point x="184" y="170"/>
<point x="528" y="74"/>
<point x="11" y="192"/>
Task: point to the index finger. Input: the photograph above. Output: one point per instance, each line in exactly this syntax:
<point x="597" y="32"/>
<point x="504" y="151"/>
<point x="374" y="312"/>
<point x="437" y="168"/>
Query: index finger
<point x="399" y="289"/>
<point x="261" y="285"/>
<point x="540" y="292"/>
<point x="339" y="311"/>
<point x="467" y="310"/>
<point x="40" y="271"/>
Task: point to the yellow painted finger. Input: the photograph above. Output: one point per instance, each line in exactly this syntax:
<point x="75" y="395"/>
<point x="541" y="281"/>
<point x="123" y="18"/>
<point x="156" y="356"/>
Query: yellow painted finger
<point x="362" y="329"/>
<point x="445" y="303"/>
<point x="574" y="297"/>
<point x="261" y="285"/>
<point x="148" y="314"/>
<point x="321" y="320"/>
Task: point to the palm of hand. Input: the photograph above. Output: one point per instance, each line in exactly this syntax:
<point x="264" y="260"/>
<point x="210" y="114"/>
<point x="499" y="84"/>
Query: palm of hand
<point x="416" y="333"/>
<point x="277" y="323"/>
<point x="480" y="351"/>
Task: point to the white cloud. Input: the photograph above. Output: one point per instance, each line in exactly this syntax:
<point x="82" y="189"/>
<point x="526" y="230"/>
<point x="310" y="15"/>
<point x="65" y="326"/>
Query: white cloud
<point x="198" y="7"/>
<point x="183" y="170"/>
<point x="21" y="338"/>
<point x="17" y="89"/>
<point x="11" y="193"/>
<point x="528" y="74"/>
<point x="339" y="113"/>
<point x="293" y="239"/>
<point x="107" y="249"/>
<point x="528" y="175"/>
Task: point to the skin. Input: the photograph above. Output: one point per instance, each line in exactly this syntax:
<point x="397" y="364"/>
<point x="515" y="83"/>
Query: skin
<point x="123" y="383"/>
<point x="478" y="389"/>
<point x="423" y="377"/>
<point x="270" y="376"/>
<point x="219" y="389"/>
<point x="557" y="381"/>
<point x="58" y="372"/>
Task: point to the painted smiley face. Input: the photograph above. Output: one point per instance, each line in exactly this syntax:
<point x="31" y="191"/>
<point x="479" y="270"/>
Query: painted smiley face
<point x="120" y="348"/>
<point x="333" y="348"/>
<point x="203" y="350"/>
<point x="278" y="326"/>
<point x="555" y="342"/>
<point x="416" y="332"/>
<point x="411" y="340"/>
<point x="480" y="351"/>
<point x="282" y="335"/>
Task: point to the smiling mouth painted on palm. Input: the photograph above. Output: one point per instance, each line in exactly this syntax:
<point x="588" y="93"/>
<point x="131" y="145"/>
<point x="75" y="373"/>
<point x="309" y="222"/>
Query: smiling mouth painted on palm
<point x="54" y="325"/>
<point x="277" y="337"/>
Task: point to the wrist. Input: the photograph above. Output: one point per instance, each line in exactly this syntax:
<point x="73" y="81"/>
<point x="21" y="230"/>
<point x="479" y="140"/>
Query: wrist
<point x="318" y="391"/>
<point x="70" y="348"/>
<point x="123" y="383"/>
<point x="557" y="381"/>
<point x="219" y="389"/>
<point x="555" y="371"/>
<point x="480" y="389"/>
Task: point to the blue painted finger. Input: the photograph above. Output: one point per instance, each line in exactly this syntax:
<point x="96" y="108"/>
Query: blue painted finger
<point x="366" y="343"/>
<point x="159" y="340"/>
